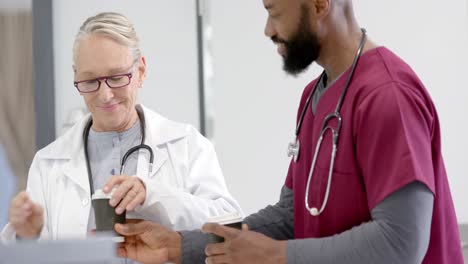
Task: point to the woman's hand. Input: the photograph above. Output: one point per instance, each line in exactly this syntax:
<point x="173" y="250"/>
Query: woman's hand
<point x="25" y="216"/>
<point x="130" y="193"/>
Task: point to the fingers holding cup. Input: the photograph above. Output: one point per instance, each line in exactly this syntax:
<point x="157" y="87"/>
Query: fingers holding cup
<point x="129" y="195"/>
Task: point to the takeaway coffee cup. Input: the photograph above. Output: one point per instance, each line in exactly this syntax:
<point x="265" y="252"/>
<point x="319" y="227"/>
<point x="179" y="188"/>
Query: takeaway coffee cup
<point x="105" y="215"/>
<point x="233" y="220"/>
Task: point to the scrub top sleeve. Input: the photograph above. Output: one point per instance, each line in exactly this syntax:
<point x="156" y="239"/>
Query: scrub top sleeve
<point x="275" y="221"/>
<point x="393" y="134"/>
<point x="193" y="246"/>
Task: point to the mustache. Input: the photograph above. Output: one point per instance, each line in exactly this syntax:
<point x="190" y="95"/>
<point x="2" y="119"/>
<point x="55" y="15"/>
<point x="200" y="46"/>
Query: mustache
<point x="277" y="40"/>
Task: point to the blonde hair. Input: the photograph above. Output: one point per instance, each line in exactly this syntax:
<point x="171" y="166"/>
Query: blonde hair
<point x="113" y="25"/>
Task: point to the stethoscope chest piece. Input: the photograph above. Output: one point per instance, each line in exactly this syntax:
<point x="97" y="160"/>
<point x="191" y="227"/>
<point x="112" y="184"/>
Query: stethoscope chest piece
<point x="293" y="149"/>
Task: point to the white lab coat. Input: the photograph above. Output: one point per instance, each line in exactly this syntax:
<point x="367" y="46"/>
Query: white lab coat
<point x="184" y="188"/>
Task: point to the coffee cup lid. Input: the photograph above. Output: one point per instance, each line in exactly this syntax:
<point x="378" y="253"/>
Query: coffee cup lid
<point x="226" y="219"/>
<point x="100" y="194"/>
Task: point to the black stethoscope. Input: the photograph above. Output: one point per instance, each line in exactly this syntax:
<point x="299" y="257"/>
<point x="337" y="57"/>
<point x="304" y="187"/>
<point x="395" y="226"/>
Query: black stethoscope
<point x="141" y="116"/>
<point x="294" y="147"/>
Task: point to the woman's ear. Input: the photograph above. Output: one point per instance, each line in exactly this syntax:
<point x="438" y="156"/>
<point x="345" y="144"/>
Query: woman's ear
<point x="142" y="70"/>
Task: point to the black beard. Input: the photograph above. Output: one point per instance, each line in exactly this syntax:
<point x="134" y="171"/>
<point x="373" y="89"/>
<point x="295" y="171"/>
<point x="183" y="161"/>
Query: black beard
<point x="302" y="49"/>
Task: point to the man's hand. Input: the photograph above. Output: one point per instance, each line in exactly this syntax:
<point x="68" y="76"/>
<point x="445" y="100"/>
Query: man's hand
<point x="243" y="246"/>
<point x="130" y="193"/>
<point x="25" y="216"/>
<point x="148" y="242"/>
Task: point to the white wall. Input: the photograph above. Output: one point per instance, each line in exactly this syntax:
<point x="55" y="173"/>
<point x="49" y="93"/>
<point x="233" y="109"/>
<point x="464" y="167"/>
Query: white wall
<point x="168" y="40"/>
<point x="256" y="103"/>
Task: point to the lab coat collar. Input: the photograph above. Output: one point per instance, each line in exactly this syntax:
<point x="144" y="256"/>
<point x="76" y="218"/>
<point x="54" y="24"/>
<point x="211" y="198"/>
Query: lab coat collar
<point x="70" y="148"/>
<point x="159" y="132"/>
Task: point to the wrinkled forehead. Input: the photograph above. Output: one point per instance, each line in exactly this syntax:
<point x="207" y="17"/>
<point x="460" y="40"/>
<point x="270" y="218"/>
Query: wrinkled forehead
<point x="101" y="55"/>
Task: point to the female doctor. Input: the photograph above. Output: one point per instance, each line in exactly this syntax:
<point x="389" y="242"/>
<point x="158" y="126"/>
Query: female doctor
<point x="180" y="188"/>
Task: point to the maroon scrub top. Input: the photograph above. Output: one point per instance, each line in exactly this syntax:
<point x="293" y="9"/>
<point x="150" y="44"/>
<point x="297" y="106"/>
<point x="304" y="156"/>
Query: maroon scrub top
<point x="390" y="137"/>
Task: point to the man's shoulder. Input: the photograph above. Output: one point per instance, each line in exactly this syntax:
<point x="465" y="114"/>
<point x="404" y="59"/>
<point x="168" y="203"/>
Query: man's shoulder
<point x="382" y="68"/>
<point x="392" y="68"/>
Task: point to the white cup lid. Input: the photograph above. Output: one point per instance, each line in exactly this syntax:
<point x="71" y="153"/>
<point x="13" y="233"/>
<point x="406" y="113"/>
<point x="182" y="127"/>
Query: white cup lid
<point x="100" y="194"/>
<point x="226" y="219"/>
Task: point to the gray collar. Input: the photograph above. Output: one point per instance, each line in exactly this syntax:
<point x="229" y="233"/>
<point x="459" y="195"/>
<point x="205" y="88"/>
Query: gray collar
<point x="131" y="132"/>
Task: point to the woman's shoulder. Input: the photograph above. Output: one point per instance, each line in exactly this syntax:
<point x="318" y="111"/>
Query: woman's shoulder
<point x="163" y="129"/>
<point x="67" y="143"/>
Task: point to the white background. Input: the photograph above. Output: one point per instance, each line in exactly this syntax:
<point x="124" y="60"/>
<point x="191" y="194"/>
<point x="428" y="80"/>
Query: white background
<point x="255" y="103"/>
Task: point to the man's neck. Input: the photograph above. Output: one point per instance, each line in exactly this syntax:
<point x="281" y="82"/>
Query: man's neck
<point x="340" y="50"/>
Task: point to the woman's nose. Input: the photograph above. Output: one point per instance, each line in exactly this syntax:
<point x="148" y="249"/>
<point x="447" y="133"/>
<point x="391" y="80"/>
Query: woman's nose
<point x="105" y="93"/>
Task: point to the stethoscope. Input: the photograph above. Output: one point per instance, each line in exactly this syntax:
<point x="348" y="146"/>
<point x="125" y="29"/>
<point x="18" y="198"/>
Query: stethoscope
<point x="141" y="116"/>
<point x="294" y="147"/>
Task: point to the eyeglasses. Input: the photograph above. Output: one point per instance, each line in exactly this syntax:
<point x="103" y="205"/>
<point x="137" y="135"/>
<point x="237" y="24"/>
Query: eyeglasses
<point x="113" y="81"/>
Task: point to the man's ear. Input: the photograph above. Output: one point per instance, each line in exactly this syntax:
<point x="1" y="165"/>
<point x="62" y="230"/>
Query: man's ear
<point x="320" y="8"/>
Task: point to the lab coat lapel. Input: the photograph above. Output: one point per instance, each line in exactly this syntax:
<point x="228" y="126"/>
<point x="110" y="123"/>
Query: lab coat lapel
<point x="75" y="170"/>
<point x="159" y="132"/>
<point x="72" y="149"/>
<point x="160" y="157"/>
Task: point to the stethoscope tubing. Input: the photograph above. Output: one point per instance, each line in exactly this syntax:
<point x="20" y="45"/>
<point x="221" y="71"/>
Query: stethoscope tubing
<point x="335" y="133"/>
<point x="141" y="116"/>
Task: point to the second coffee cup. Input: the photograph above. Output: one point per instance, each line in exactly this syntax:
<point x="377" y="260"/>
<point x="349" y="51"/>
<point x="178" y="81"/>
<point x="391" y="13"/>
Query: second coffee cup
<point x="233" y="220"/>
